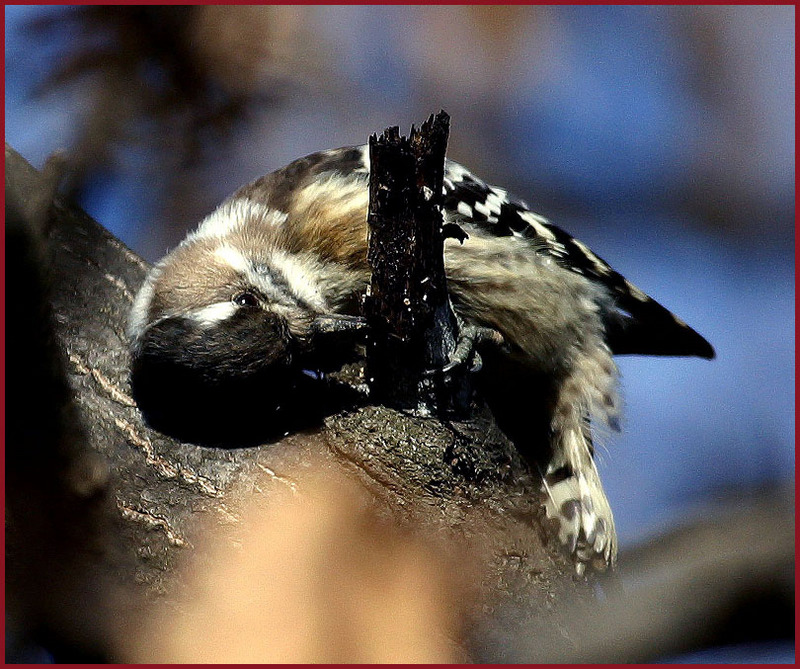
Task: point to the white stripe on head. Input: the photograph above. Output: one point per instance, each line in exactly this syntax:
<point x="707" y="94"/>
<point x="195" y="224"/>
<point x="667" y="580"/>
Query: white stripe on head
<point x="301" y="275"/>
<point x="235" y="213"/>
<point x="233" y="258"/>
<point x="258" y="275"/>
<point x="213" y="313"/>
<point x="283" y="278"/>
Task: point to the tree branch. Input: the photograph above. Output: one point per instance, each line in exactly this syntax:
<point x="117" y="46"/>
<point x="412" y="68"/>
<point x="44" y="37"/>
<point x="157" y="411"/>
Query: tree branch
<point x="413" y="327"/>
<point x="103" y="520"/>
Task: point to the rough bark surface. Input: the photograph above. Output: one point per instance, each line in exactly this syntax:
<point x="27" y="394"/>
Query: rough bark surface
<point x="101" y="518"/>
<point x="412" y="325"/>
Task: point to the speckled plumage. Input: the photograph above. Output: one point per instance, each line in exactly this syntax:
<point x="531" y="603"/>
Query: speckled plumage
<point x="292" y="246"/>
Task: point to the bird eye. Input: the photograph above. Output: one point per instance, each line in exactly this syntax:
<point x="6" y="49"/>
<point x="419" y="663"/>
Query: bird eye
<point x="246" y="299"/>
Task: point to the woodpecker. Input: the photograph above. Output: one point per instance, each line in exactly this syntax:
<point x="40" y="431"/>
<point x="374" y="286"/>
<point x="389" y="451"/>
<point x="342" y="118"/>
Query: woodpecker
<point x="235" y="314"/>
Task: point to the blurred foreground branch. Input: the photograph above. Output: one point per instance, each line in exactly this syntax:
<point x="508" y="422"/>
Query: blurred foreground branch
<point x="725" y="578"/>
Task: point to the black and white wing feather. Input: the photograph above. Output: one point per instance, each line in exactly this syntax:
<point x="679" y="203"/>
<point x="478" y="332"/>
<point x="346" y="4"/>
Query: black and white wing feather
<point x="638" y="325"/>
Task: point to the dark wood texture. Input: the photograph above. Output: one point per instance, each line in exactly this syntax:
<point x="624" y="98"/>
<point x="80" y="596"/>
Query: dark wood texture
<point x="413" y="328"/>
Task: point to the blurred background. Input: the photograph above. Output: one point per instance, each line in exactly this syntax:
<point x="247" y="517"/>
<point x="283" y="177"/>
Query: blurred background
<point x="663" y="137"/>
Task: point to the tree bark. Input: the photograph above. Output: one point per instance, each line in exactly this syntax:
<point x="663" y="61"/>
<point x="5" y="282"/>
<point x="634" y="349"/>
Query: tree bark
<point x="102" y="511"/>
<point x="413" y="328"/>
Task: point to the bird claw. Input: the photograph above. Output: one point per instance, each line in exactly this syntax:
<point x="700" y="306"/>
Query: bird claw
<point x="465" y="354"/>
<point x="329" y="332"/>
